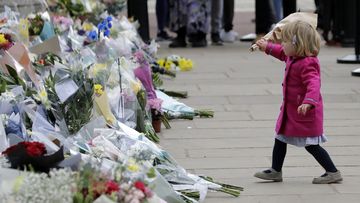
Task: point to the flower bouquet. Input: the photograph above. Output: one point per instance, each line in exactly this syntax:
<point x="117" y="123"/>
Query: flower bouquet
<point x="36" y="25"/>
<point x="32" y="155"/>
<point x="275" y="34"/>
<point x="6" y="41"/>
<point x="176" y="110"/>
<point x="175" y="63"/>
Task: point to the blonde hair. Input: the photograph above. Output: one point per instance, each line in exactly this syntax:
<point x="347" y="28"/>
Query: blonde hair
<point x="303" y="36"/>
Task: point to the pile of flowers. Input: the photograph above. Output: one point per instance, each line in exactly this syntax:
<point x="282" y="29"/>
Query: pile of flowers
<point x="90" y="95"/>
<point x="175" y="63"/>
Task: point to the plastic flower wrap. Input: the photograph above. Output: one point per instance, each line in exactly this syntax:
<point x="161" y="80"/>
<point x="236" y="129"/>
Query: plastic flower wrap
<point x="176" y="109"/>
<point x="62" y="23"/>
<point x="122" y="89"/>
<point x="275" y="34"/>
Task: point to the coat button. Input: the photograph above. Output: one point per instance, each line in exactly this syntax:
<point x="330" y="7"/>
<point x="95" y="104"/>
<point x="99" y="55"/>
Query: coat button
<point x="282" y="84"/>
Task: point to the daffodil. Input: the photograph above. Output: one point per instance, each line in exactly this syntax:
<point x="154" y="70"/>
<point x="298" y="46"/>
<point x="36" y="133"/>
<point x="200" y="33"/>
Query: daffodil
<point x="168" y="65"/>
<point x="161" y="62"/>
<point x="3" y="40"/>
<point x="98" y="89"/>
<point x="185" y="64"/>
<point x="87" y="26"/>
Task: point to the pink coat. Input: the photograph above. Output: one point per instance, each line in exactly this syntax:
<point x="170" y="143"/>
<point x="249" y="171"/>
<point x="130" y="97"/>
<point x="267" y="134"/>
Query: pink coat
<point x="301" y="85"/>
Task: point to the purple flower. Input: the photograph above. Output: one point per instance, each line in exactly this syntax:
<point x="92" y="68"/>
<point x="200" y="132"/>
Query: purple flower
<point x="93" y="35"/>
<point x="109" y="18"/>
<point x="81" y="32"/>
<point x="100" y="26"/>
<point x="107" y="33"/>
<point x="109" y="25"/>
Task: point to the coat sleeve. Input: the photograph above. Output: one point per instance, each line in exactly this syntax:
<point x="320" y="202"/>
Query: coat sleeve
<point x="310" y="75"/>
<point x="276" y="50"/>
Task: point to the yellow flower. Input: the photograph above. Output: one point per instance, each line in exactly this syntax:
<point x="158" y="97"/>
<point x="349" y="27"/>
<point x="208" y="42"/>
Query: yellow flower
<point x="87" y="26"/>
<point x="161" y="62"/>
<point x="43" y="94"/>
<point x="133" y="167"/>
<point x="43" y="98"/>
<point x="98" y="89"/>
<point x="168" y="65"/>
<point x="3" y="40"/>
<point x="185" y="64"/>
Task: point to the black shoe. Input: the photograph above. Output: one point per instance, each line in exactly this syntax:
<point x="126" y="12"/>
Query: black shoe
<point x="163" y="36"/>
<point x="216" y="40"/>
<point x="200" y="43"/>
<point x="177" y="43"/>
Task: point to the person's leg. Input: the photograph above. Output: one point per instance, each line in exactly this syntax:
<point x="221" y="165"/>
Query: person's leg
<point x="289" y="7"/>
<point x="198" y="21"/>
<point x="216" y="17"/>
<point x="162" y="12"/>
<point x="161" y="9"/>
<point x="278" y="156"/>
<point x="139" y="11"/>
<point x="228" y="34"/>
<point x="178" y="21"/>
<point x="332" y="175"/>
<point x="321" y="156"/>
<point x="228" y="14"/>
<point x="278" y="7"/>
<point x="264" y="15"/>
<point x="275" y="172"/>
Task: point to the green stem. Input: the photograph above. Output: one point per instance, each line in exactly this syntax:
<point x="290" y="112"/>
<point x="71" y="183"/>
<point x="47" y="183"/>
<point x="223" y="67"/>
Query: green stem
<point x="204" y="113"/>
<point x="178" y="94"/>
<point x="181" y="116"/>
<point x="165" y="121"/>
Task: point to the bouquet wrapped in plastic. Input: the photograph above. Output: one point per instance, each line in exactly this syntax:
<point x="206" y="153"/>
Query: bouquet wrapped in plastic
<point x="275" y="36"/>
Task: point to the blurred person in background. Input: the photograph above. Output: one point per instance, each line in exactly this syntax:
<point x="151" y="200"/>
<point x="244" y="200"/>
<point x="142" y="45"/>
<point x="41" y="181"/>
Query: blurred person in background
<point x="162" y="17"/>
<point x="216" y="18"/>
<point x="189" y="18"/>
<point x="228" y="34"/>
<point x="138" y="10"/>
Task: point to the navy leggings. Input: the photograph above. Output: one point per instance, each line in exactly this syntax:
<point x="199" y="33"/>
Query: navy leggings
<point x="319" y="153"/>
<point x="162" y="14"/>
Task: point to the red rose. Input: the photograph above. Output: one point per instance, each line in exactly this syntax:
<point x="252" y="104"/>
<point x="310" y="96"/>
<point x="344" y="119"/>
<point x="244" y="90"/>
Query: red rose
<point x="111" y="186"/>
<point x="140" y="185"/>
<point x="35" y="148"/>
<point x="9" y="150"/>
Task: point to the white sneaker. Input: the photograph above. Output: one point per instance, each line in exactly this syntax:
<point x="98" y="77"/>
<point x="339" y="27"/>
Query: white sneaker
<point x="230" y="36"/>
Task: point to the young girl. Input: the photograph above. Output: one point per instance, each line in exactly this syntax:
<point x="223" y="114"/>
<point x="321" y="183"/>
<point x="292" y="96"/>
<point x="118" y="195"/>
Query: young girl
<point x="300" y="122"/>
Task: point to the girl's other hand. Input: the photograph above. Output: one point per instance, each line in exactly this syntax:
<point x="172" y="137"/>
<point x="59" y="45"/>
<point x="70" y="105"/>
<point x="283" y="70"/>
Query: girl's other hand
<point x="304" y="108"/>
<point x="262" y="43"/>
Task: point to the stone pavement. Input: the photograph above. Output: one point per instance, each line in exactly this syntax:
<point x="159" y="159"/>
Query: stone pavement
<point x="244" y="89"/>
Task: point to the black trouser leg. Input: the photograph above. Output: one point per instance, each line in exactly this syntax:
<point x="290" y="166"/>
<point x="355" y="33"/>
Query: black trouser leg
<point x="321" y="156"/>
<point x="139" y="10"/>
<point x="278" y="156"/>
<point x="264" y="16"/>
<point x="228" y="14"/>
<point x="289" y="7"/>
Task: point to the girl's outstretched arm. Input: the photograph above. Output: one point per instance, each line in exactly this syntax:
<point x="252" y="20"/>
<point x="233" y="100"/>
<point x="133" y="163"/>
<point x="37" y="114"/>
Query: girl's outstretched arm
<point x="275" y="50"/>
